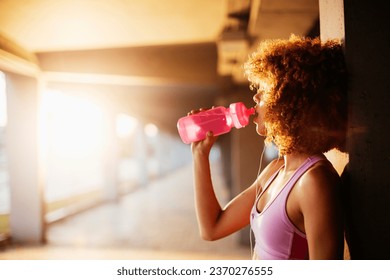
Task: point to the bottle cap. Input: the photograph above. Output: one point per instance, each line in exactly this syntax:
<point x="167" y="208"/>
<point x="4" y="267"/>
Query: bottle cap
<point x="240" y="114"/>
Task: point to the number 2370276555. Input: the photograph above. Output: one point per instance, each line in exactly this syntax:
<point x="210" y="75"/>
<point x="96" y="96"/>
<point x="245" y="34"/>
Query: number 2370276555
<point x="241" y="270"/>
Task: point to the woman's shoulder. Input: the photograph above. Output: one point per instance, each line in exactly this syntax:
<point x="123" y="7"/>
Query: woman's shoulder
<point x="320" y="179"/>
<point x="322" y="168"/>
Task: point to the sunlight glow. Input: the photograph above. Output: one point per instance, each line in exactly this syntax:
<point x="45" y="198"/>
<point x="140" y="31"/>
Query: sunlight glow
<point x="151" y="130"/>
<point x="73" y="138"/>
<point x="74" y="124"/>
<point x="125" y="125"/>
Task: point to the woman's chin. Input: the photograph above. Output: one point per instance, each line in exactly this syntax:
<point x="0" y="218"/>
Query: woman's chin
<point x="260" y="129"/>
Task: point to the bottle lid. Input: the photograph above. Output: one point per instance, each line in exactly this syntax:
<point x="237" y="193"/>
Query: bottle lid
<point x="240" y="114"/>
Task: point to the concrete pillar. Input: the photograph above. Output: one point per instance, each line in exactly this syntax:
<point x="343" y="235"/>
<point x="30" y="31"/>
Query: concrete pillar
<point x="367" y="189"/>
<point x="331" y="19"/>
<point x="111" y="158"/>
<point x="332" y="27"/>
<point x="246" y="149"/>
<point x="367" y="44"/>
<point x="22" y="142"/>
<point x="142" y="155"/>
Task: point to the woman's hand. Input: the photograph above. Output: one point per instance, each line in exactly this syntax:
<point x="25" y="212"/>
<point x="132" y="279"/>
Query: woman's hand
<point x="203" y="147"/>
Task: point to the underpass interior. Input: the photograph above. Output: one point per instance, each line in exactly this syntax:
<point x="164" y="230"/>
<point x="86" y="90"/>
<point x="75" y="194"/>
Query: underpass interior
<point x="91" y="145"/>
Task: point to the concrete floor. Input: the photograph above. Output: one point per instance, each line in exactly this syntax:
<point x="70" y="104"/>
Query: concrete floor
<point x="156" y="221"/>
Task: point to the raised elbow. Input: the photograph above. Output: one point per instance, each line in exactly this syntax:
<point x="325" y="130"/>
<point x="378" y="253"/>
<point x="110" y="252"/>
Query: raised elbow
<point x="207" y="236"/>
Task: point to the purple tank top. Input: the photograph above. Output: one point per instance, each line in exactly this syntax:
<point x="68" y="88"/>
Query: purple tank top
<point x="276" y="236"/>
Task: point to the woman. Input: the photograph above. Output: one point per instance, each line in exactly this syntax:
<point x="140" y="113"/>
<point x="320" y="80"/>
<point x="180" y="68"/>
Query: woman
<point x="293" y="206"/>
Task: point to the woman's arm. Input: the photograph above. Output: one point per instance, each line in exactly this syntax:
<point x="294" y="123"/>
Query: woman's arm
<point x="214" y="221"/>
<point x="322" y="212"/>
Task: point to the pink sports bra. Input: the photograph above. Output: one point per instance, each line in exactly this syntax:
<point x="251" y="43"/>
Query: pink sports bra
<point x="276" y="236"/>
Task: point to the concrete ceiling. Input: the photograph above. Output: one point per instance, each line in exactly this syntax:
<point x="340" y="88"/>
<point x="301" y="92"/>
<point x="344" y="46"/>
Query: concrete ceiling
<point x="58" y="25"/>
<point x="52" y="25"/>
<point x="279" y="18"/>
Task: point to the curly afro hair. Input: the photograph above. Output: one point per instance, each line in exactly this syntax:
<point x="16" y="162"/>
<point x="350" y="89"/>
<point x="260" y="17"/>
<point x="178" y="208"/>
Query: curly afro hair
<point x="303" y="83"/>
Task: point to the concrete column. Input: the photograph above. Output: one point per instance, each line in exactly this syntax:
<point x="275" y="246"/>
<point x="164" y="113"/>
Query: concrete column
<point x="22" y="142"/>
<point x="142" y="155"/>
<point x="331" y="19"/>
<point x="367" y="44"/>
<point x="246" y="149"/>
<point x="332" y="27"/>
<point x="111" y="158"/>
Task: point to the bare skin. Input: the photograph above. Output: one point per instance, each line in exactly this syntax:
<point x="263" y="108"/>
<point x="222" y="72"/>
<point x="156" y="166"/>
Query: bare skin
<point x="312" y="206"/>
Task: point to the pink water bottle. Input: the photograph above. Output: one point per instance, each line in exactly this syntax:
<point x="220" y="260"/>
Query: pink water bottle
<point x="219" y="120"/>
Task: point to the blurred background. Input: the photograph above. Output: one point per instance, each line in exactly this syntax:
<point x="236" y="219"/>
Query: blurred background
<point x="91" y="165"/>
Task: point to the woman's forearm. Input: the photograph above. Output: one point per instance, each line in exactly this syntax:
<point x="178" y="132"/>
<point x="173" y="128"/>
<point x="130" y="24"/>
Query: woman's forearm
<point x="207" y="206"/>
